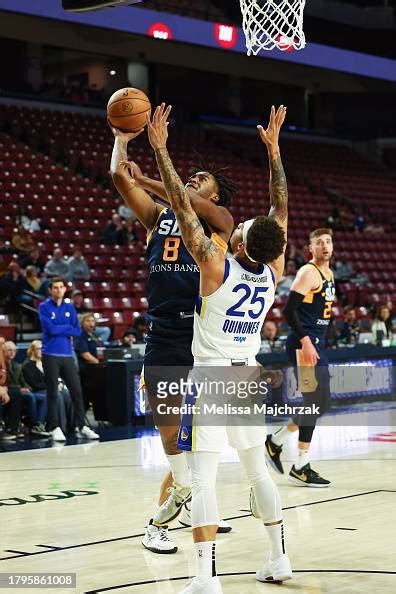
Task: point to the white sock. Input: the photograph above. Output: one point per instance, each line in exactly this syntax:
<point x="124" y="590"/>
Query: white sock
<point x="277" y="540"/>
<point x="302" y="459"/>
<point x="205" y="553"/>
<point x="180" y="470"/>
<point x="280" y="436"/>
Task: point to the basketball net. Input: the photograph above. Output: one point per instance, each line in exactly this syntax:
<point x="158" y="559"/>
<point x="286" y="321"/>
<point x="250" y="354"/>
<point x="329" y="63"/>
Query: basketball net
<point x="268" y="24"/>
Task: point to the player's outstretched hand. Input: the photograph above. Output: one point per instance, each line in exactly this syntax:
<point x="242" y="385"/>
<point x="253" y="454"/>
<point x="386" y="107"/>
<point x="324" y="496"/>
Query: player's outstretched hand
<point x="126" y="135"/>
<point x="157" y="128"/>
<point x="270" y="136"/>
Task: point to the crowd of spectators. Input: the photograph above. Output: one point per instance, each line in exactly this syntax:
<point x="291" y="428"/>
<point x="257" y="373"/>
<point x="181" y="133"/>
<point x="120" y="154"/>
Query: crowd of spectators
<point x="118" y="231"/>
<point x="28" y="276"/>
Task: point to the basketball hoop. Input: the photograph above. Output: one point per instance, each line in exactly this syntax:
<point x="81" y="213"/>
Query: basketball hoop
<point x="270" y="24"/>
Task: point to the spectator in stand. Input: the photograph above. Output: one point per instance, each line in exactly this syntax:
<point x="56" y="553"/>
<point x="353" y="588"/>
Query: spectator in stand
<point x="139" y="329"/>
<point x="22" y="241"/>
<point x="34" y="375"/>
<point x="86" y="347"/>
<point x="343" y="271"/>
<point x="114" y="232"/>
<point x="4" y="397"/>
<point x="297" y="255"/>
<point x="32" y="368"/>
<point x="13" y="284"/>
<point x="127" y="340"/>
<point x="381" y="327"/>
<point x="33" y="259"/>
<point x="351" y="328"/>
<point x="57" y="265"/>
<point x="129" y="232"/>
<point x="32" y="282"/>
<point x="60" y="323"/>
<point x="333" y="220"/>
<point x="389" y="303"/>
<point x="77" y="298"/>
<point x="34" y="402"/>
<point x="28" y="224"/>
<point x="287" y="280"/>
<point x="269" y="337"/>
<point x="101" y="332"/>
<point x="126" y="213"/>
<point x="359" y="223"/>
<point x="78" y="267"/>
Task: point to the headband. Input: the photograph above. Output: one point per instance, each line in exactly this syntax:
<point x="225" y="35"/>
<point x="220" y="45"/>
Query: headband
<point x="246" y="228"/>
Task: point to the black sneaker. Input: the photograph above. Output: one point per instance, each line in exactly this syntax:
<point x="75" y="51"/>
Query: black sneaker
<point x="306" y="477"/>
<point x="273" y="454"/>
<point x="8" y="435"/>
<point x="39" y="431"/>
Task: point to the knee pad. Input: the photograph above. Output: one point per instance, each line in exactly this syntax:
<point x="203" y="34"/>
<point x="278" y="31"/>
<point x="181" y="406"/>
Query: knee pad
<point x="203" y="467"/>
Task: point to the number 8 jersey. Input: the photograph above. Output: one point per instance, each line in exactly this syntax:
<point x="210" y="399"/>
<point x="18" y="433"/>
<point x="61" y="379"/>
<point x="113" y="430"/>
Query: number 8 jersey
<point x="228" y="322"/>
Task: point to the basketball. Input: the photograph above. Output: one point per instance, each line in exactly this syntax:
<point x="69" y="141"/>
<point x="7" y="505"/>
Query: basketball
<point x="127" y="109"/>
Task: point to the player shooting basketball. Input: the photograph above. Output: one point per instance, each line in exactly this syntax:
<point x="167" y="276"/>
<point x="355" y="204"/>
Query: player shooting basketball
<point x="173" y="287"/>
<point x="241" y="287"/>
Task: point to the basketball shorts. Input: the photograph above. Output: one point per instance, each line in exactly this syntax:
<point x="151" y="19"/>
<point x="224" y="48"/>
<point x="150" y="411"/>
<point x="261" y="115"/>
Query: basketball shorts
<point x="167" y="359"/>
<point x="214" y="422"/>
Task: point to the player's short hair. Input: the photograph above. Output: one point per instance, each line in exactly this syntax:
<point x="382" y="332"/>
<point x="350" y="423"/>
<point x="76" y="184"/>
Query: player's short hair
<point x="321" y="231"/>
<point x="265" y="240"/>
<point x="56" y="279"/>
<point x="226" y="187"/>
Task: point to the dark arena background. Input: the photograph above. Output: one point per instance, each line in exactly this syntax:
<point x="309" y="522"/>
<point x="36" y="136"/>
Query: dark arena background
<point x="96" y="486"/>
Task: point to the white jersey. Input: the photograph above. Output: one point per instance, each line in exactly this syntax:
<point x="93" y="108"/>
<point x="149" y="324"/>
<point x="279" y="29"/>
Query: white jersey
<point x="228" y="322"/>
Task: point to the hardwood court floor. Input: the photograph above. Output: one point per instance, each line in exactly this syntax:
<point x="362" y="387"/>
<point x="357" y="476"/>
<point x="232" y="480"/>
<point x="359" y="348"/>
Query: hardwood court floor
<point x="96" y="499"/>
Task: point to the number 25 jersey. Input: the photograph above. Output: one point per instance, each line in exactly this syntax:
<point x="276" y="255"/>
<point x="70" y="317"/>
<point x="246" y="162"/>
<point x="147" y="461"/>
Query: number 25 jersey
<point x="228" y="322"/>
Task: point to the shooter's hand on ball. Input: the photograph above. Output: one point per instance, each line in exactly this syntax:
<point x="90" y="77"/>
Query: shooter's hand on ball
<point x="270" y="136"/>
<point x="157" y="128"/>
<point x="127" y="136"/>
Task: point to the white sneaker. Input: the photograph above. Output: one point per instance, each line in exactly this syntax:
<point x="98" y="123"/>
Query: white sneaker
<point x="173" y="505"/>
<point x="275" y="571"/>
<point x="86" y="432"/>
<point x="57" y="435"/>
<point x="185" y="520"/>
<point x="157" y="540"/>
<point x="200" y="586"/>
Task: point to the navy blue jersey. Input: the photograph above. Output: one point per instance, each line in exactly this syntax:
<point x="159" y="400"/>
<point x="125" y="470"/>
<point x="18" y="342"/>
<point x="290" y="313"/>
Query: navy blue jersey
<point x="315" y="310"/>
<point x="173" y="284"/>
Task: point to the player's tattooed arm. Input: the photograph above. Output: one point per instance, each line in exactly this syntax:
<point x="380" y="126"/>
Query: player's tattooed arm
<point x="278" y="183"/>
<point x="200" y="247"/>
<point x="278" y="187"/>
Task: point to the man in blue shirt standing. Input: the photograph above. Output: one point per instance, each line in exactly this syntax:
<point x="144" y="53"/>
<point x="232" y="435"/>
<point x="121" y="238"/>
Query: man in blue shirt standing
<point x="59" y="323"/>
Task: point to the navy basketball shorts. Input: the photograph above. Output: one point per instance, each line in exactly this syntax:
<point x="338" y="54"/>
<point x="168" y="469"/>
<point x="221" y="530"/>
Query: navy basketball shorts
<point x="168" y="360"/>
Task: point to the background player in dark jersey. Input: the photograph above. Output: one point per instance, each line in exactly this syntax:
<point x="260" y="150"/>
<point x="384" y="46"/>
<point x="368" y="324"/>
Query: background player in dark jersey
<point x="172" y="290"/>
<point x="308" y="312"/>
